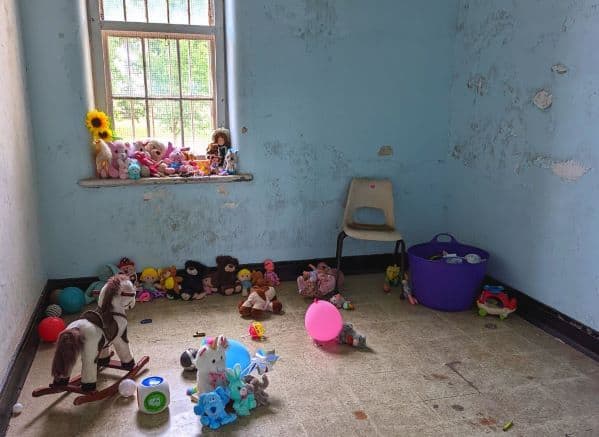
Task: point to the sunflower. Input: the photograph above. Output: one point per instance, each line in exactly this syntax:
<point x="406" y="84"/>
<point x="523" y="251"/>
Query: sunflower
<point x="103" y="134"/>
<point x="97" y="121"/>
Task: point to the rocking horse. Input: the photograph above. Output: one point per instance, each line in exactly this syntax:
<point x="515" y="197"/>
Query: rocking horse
<point x="91" y="337"/>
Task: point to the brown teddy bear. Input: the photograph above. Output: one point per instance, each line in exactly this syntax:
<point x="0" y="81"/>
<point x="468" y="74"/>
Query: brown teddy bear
<point x="262" y="298"/>
<point x="224" y="280"/>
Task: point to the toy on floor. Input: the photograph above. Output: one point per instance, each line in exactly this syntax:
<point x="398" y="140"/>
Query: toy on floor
<point x="153" y="395"/>
<point x="49" y="328"/>
<point x="245" y="279"/>
<point x="210" y="364"/>
<point x="262" y="298"/>
<point x="319" y="281"/>
<point x="91" y="336"/>
<point x="188" y="358"/>
<point x="127" y="267"/>
<point x="224" y="280"/>
<point x="104" y="274"/>
<point x="406" y="290"/>
<point x="71" y="300"/>
<point x="494" y="300"/>
<point x="258" y="386"/>
<point x="323" y="321"/>
<point x="127" y="388"/>
<point x="262" y="362"/>
<point x="269" y="273"/>
<point x="147" y="289"/>
<point x="17" y="409"/>
<point x="53" y="310"/>
<point x="392" y="277"/>
<point x="257" y="331"/>
<point x="211" y="409"/>
<point x="191" y="286"/>
<point x="243" y="399"/>
<point x="170" y="283"/>
<point x="340" y="302"/>
<point x="348" y="335"/>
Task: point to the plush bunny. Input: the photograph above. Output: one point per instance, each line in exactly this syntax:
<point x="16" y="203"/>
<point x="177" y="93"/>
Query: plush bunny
<point x="210" y="362"/>
<point x="242" y="396"/>
<point x="258" y="387"/>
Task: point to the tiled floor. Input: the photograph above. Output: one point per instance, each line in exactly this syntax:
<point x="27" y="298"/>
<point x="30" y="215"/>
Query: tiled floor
<point x="426" y="373"/>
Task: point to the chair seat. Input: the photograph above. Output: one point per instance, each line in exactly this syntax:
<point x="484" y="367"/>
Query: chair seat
<point x="372" y="232"/>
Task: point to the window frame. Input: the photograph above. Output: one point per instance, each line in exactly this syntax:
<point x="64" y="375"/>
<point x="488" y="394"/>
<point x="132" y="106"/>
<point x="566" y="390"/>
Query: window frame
<point x="99" y="31"/>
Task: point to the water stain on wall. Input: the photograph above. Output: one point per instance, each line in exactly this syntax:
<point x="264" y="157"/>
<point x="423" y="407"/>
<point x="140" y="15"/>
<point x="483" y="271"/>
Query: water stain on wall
<point x="320" y="22"/>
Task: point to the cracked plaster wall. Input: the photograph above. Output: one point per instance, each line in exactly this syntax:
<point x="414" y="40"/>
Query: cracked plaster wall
<point x="316" y="88"/>
<point x="522" y="179"/>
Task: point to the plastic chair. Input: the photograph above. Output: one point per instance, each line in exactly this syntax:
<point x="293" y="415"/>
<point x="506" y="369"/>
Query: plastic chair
<point x="371" y="193"/>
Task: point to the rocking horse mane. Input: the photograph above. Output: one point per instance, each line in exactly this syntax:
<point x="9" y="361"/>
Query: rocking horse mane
<point x="110" y="291"/>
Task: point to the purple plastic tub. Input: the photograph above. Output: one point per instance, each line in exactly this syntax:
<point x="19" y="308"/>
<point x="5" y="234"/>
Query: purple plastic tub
<point x="443" y="286"/>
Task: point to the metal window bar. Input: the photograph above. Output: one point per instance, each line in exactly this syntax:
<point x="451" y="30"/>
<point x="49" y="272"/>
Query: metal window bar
<point x="146" y="102"/>
<point x="180" y="93"/>
<point x="124" y="10"/>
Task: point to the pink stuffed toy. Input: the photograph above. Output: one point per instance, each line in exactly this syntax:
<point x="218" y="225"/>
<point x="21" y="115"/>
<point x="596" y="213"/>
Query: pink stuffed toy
<point x="269" y="273"/>
<point x="319" y="281"/>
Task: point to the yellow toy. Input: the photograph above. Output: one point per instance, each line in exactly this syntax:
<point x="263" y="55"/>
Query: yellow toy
<point x="245" y="277"/>
<point x="391" y="278"/>
<point x="257" y="331"/>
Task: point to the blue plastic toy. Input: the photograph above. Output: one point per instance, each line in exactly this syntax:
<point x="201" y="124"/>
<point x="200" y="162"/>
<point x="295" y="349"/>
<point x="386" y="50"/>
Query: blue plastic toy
<point x="71" y="300"/>
<point x="211" y="409"/>
<point x="243" y="398"/>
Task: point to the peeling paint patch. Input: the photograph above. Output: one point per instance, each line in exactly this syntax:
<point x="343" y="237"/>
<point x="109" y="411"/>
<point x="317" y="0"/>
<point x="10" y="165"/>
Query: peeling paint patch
<point x="244" y="130"/>
<point x="569" y="171"/>
<point x="321" y="19"/>
<point x="386" y="151"/>
<point x="222" y="190"/>
<point x="478" y="83"/>
<point x="230" y="205"/>
<point x="543" y="99"/>
<point x="559" y="69"/>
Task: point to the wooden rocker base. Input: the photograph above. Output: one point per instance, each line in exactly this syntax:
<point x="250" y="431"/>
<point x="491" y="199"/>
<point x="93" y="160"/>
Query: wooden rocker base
<point x="74" y="385"/>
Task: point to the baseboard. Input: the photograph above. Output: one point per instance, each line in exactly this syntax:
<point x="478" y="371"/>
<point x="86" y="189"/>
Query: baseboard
<point x="21" y="363"/>
<point x="552" y="321"/>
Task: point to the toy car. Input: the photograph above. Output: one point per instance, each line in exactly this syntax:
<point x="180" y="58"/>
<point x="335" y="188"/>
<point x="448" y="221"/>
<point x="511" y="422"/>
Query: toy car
<point x="493" y="300"/>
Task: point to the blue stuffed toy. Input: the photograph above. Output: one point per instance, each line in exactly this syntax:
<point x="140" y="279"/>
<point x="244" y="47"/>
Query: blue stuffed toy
<point x="241" y="393"/>
<point x="211" y="408"/>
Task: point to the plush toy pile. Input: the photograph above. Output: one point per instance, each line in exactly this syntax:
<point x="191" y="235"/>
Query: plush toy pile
<point x="151" y="157"/>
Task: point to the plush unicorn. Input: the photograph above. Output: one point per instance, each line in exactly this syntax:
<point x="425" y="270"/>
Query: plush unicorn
<point x="93" y="333"/>
<point x="240" y="392"/>
<point x="210" y="362"/>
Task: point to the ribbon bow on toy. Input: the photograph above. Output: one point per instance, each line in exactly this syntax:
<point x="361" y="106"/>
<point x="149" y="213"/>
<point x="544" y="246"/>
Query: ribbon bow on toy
<point x="217" y="378"/>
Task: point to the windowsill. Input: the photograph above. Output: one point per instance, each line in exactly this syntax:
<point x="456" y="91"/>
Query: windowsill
<point x="173" y="180"/>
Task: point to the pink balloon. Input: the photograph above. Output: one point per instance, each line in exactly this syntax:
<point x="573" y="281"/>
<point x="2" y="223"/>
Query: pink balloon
<point x="323" y="321"/>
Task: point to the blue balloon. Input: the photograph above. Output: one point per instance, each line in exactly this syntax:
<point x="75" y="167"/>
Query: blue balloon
<point x="236" y="353"/>
<point x="71" y="300"/>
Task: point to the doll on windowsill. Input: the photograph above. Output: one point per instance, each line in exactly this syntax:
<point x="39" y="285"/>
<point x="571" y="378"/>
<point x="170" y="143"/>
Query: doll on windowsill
<point x="220" y="145"/>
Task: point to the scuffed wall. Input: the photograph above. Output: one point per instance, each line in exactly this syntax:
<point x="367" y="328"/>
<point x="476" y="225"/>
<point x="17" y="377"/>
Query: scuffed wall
<point x="523" y="146"/>
<point x="316" y="89"/>
<point x="22" y="275"/>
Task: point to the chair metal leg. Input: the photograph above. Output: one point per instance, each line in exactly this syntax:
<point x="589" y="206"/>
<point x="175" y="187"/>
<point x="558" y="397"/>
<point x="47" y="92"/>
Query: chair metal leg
<point x="340" y="239"/>
<point x="402" y="261"/>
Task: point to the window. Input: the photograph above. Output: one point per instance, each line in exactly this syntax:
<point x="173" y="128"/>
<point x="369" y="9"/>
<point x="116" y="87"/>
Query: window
<point x="159" y="67"/>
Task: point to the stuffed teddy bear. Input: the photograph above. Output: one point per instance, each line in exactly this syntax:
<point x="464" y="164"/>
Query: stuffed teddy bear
<point x="170" y="282"/>
<point x="262" y="298"/>
<point x="191" y="286"/>
<point x="210" y="365"/>
<point x="242" y="397"/>
<point x="224" y="279"/>
<point x="258" y="387"/>
<point x="211" y="409"/>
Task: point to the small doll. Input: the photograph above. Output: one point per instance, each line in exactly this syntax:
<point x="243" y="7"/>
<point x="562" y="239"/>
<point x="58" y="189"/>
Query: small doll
<point x="391" y="278"/>
<point x="245" y="277"/>
<point x="220" y="145"/>
<point x="127" y="267"/>
<point x="270" y="274"/>
<point x="215" y="165"/>
<point x="406" y="292"/>
<point x="147" y="289"/>
<point x="231" y="162"/>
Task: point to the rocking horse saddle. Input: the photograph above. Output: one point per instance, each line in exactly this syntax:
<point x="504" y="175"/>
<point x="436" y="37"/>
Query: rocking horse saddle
<point x="106" y="322"/>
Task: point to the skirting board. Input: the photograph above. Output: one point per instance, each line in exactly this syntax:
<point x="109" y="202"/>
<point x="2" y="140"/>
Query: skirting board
<point x="555" y="323"/>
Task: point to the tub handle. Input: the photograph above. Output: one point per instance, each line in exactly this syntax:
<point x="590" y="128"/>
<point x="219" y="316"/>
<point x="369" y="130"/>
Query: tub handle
<point x="451" y="238"/>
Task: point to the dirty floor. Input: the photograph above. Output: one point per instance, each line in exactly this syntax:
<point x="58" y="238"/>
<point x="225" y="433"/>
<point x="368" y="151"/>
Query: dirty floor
<point x="427" y="374"/>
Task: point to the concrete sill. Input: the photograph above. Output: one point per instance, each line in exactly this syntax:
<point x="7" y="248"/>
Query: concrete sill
<point x="175" y="180"/>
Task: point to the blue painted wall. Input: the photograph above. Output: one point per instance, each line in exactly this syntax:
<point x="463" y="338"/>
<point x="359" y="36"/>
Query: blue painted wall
<point x="523" y="181"/>
<point x="320" y="87"/>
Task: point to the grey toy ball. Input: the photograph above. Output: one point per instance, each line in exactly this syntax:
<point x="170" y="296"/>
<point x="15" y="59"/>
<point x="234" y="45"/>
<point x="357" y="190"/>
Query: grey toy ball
<point x="53" y="310"/>
<point x="188" y="358"/>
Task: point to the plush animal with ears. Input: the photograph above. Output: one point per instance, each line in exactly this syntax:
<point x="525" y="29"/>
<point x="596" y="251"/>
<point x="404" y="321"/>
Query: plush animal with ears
<point x="242" y="396"/>
<point x="210" y="362"/>
<point x="211" y="409"/>
<point x="225" y="277"/>
<point x="258" y="386"/>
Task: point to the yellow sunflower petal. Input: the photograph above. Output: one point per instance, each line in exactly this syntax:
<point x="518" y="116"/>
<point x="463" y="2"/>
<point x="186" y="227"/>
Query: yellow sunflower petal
<point x="97" y="120"/>
<point x="103" y="134"/>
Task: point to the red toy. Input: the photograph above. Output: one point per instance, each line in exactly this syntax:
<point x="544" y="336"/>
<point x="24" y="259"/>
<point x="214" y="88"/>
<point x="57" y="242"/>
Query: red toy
<point x="493" y="300"/>
<point x="49" y="328"/>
